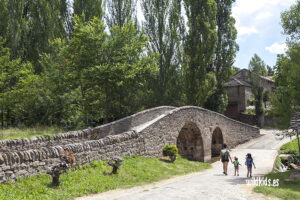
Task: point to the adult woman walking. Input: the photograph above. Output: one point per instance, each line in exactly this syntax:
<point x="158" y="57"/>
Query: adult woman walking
<point x="225" y="156"/>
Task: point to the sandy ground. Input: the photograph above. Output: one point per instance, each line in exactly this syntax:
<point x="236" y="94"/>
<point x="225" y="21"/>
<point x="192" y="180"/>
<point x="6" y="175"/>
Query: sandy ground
<point x="210" y="184"/>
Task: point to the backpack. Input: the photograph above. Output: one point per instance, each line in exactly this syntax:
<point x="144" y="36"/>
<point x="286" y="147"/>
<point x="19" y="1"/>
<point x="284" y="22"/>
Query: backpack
<point x="224" y="154"/>
<point x="236" y="163"/>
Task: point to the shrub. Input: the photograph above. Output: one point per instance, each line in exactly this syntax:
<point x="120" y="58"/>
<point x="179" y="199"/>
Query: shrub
<point x="251" y="101"/>
<point x="171" y="151"/>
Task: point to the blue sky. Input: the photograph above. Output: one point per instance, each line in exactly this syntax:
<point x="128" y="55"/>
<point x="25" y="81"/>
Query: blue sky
<point x="259" y="29"/>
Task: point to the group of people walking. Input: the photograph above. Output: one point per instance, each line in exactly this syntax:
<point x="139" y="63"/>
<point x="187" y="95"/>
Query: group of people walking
<point x="225" y="157"/>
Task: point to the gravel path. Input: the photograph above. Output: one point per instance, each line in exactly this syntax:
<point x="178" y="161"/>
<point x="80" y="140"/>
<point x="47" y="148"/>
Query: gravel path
<point x="211" y="184"/>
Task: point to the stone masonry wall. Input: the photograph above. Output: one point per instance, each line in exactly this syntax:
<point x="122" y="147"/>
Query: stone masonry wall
<point x="32" y="162"/>
<point x="166" y="130"/>
<point x="116" y="127"/>
<point x="26" y="157"/>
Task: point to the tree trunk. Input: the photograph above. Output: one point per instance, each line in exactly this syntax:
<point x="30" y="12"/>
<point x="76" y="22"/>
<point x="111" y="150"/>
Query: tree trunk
<point x="55" y="179"/>
<point x="261" y="120"/>
<point x="106" y="106"/>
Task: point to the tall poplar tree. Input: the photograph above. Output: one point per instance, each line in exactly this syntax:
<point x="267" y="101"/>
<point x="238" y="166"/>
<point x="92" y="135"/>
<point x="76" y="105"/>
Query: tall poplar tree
<point x="163" y="24"/>
<point x="224" y="55"/>
<point x="200" y="45"/>
<point x="120" y="12"/>
<point x="90" y="8"/>
<point x="31" y="25"/>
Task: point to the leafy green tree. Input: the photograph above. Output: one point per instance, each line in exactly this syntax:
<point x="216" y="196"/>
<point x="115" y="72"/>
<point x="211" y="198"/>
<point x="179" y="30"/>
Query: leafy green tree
<point x="224" y="54"/>
<point x="163" y="25"/>
<point x="270" y="70"/>
<point x="30" y="26"/>
<point x="200" y="45"/>
<point x="119" y="13"/>
<point x="286" y="97"/>
<point x="290" y="20"/>
<point x="257" y="69"/>
<point x="56" y="91"/>
<point x="14" y="77"/>
<point x="126" y="63"/>
<point x="85" y="51"/>
<point x="90" y="8"/>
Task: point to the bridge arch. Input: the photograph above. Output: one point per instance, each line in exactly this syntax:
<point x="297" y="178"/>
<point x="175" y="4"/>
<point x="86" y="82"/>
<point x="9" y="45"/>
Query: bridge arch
<point x="190" y="142"/>
<point x="217" y="142"/>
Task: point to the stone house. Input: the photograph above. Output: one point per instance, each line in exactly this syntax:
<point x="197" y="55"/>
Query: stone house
<point x="239" y="92"/>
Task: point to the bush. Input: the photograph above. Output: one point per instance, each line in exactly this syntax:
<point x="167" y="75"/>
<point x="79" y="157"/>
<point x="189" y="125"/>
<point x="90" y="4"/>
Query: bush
<point x="294" y="160"/>
<point x="251" y="101"/>
<point x="249" y="111"/>
<point x="171" y="151"/>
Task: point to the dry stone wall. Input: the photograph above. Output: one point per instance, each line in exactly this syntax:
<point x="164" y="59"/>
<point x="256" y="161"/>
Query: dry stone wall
<point x="113" y="128"/>
<point x="36" y="161"/>
<point x="160" y="126"/>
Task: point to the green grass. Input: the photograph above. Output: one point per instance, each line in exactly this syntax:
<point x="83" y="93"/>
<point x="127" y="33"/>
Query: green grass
<point x="13" y="133"/>
<point x="286" y="190"/>
<point x="278" y="163"/>
<point x="90" y="179"/>
<point x="290" y="147"/>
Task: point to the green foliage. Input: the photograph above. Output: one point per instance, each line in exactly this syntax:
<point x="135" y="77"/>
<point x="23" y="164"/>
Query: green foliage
<point x="278" y="163"/>
<point x="163" y="25"/>
<point x="286" y="97"/>
<point x="270" y="70"/>
<point x="15" y="78"/>
<point x="289" y="148"/>
<point x="290" y="21"/>
<point x="201" y="37"/>
<point x="120" y="12"/>
<point x="250" y="112"/>
<point x="88" y="179"/>
<point x="226" y="48"/>
<point x="257" y="69"/>
<point x="286" y="190"/>
<point x="266" y="96"/>
<point x="30" y="25"/>
<point x="90" y="9"/>
<point x="170" y="150"/>
<point x="251" y="101"/>
<point x="63" y="70"/>
<point x="217" y="101"/>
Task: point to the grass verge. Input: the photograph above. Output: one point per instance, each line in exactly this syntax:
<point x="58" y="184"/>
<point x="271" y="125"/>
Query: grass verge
<point x="13" y="133"/>
<point x="286" y="190"/>
<point x="289" y="148"/>
<point x="92" y="178"/>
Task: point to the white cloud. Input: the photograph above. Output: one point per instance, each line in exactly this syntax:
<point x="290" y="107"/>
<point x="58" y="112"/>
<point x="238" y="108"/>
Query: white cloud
<point x="243" y="30"/>
<point x="263" y="15"/>
<point x="257" y="16"/>
<point x="277" y="48"/>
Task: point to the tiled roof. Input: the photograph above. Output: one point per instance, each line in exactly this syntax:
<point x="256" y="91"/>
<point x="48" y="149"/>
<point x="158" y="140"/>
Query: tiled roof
<point x="237" y="82"/>
<point x="268" y="78"/>
<point x="295" y="121"/>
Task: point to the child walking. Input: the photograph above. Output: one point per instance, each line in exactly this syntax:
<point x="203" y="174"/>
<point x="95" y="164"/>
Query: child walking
<point x="236" y="165"/>
<point x="249" y="162"/>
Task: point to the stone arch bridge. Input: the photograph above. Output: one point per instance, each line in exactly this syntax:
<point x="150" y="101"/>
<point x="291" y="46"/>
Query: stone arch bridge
<point x="197" y="132"/>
